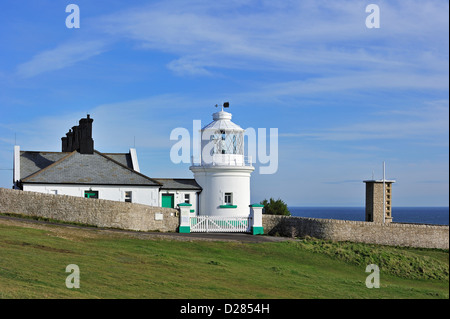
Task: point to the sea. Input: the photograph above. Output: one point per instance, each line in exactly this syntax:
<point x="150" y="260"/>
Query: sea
<point x="417" y="215"/>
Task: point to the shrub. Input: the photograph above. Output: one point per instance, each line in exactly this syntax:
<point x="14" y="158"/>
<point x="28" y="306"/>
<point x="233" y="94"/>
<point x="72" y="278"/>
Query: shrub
<point x="275" y="207"/>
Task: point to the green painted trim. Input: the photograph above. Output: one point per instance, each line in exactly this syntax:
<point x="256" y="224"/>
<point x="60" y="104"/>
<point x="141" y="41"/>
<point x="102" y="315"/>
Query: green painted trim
<point x="184" y="204"/>
<point x="256" y="205"/>
<point x="192" y="210"/>
<point x="184" y="229"/>
<point x="257" y="230"/>
<point x="228" y="206"/>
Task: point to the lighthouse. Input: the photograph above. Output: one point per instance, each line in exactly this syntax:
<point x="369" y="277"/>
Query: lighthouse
<point x="223" y="171"/>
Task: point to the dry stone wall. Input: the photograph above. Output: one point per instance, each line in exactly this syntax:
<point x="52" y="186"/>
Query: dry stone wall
<point x="394" y="234"/>
<point x="111" y="214"/>
<point x="97" y="212"/>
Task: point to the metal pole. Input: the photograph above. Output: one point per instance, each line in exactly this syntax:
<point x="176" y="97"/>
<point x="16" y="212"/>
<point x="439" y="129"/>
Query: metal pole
<point x="384" y="192"/>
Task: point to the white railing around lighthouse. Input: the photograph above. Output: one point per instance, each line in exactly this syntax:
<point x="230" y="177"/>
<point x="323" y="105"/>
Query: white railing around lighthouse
<point x="222" y="160"/>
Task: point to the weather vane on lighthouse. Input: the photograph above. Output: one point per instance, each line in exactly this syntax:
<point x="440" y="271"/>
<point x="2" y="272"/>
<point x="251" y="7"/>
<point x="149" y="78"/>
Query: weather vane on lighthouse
<point x="226" y="104"/>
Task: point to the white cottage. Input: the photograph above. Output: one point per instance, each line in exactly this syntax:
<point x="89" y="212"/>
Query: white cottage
<point x="79" y="170"/>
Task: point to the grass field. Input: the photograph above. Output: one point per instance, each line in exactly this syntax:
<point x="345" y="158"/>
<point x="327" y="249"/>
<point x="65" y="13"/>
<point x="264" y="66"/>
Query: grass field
<point x="33" y="259"/>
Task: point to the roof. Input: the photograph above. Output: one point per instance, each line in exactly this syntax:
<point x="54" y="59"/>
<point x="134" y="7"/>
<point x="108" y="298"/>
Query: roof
<point x="379" y="181"/>
<point x="122" y="158"/>
<point x="76" y="168"/>
<point x="32" y="162"/>
<point x="179" y="183"/>
<point x="222" y="121"/>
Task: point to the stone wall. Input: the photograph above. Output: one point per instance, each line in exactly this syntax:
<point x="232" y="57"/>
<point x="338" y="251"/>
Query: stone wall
<point x="394" y="234"/>
<point x="96" y="212"/>
<point x="111" y="214"/>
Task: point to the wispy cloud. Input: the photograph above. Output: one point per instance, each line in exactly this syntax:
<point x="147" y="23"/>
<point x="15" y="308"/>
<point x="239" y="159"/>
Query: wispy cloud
<point x="315" y="37"/>
<point x="429" y="123"/>
<point x="64" y="55"/>
<point x="293" y="36"/>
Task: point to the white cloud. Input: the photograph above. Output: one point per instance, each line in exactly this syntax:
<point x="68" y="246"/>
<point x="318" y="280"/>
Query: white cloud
<point x="62" y="56"/>
<point x="318" y="37"/>
<point x="427" y="124"/>
<point x="313" y="36"/>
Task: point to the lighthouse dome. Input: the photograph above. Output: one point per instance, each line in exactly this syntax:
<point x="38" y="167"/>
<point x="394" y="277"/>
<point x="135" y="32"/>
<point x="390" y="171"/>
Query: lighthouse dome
<point x="222" y="121"/>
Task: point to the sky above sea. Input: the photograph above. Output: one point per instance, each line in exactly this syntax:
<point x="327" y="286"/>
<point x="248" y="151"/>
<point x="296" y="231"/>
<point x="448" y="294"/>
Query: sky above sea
<point x="343" y="97"/>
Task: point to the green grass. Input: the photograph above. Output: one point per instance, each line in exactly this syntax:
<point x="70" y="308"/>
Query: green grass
<point x="33" y="261"/>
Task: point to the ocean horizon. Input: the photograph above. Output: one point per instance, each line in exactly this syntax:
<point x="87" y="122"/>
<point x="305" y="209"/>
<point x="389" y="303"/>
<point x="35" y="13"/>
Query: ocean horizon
<point x="417" y="215"/>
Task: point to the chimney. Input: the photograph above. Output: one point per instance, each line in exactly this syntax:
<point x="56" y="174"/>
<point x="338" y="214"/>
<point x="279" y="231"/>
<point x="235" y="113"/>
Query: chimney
<point x="69" y="141"/>
<point x="64" y="144"/>
<point x="79" y="138"/>
<point x="85" y="133"/>
<point x="76" y="138"/>
<point x="16" y="163"/>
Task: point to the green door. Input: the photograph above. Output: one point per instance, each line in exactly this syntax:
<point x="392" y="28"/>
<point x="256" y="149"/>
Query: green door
<point x="167" y="200"/>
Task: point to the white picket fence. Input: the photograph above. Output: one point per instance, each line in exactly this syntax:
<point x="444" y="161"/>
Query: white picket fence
<point x="211" y="224"/>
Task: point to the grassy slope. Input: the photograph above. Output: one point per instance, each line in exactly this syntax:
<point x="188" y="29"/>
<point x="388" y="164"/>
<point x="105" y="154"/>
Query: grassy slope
<point x="33" y="261"/>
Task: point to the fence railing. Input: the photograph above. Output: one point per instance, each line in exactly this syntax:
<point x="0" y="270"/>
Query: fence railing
<point x="210" y="224"/>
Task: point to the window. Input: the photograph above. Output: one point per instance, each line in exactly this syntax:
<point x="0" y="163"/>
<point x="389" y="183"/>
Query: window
<point x="228" y="199"/>
<point x="187" y="198"/>
<point x="128" y="196"/>
<point x="91" y="194"/>
<point x="222" y="142"/>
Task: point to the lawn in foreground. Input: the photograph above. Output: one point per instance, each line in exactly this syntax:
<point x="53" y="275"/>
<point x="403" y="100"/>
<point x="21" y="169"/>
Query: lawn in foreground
<point x="33" y="263"/>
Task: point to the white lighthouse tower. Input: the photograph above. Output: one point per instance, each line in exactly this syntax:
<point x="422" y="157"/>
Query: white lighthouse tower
<point x="223" y="171"/>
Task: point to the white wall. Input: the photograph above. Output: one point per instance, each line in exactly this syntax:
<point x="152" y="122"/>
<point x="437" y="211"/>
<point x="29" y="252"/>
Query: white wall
<point x="147" y="195"/>
<point x="16" y="165"/>
<point x="179" y="198"/>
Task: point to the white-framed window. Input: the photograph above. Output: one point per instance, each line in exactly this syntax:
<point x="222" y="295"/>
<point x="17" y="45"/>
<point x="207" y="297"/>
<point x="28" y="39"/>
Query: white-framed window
<point x="187" y="198"/>
<point x="228" y="199"/>
<point x="128" y="196"/>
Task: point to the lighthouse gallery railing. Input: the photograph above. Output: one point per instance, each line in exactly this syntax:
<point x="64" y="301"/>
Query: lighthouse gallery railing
<point x="223" y="160"/>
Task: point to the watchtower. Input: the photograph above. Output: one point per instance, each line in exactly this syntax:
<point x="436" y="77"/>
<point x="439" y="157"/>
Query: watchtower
<point x="379" y="200"/>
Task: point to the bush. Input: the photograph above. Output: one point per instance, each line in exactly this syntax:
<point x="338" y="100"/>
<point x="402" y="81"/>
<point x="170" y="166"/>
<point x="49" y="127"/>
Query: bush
<point x="275" y="207"/>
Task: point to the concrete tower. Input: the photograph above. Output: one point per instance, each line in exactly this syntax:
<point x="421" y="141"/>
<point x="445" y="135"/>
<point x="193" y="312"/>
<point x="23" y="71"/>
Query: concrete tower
<point x="223" y="172"/>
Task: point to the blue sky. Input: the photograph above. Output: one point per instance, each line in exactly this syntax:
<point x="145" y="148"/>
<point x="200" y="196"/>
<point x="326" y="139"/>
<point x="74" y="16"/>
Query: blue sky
<point x="344" y="97"/>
